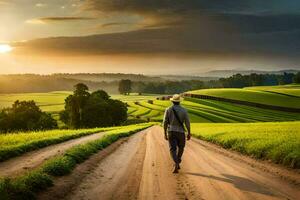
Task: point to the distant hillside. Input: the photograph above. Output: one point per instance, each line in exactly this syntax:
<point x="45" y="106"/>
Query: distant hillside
<point x="46" y="83"/>
<point x="20" y="83"/>
<point x="108" y="77"/>
<point x="228" y="73"/>
<point x="186" y="78"/>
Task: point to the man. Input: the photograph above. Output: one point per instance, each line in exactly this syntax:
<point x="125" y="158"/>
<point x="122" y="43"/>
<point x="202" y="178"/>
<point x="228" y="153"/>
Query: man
<point x="175" y="117"/>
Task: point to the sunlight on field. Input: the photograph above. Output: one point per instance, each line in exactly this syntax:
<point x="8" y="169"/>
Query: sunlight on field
<point x="277" y="141"/>
<point x="257" y="95"/>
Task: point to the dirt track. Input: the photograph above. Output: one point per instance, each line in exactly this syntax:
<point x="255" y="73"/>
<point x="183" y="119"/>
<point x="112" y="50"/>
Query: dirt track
<point x="140" y="168"/>
<point x="33" y="159"/>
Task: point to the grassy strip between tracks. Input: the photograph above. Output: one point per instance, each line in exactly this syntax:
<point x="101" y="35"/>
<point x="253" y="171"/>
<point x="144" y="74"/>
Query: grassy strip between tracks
<point x="27" y="185"/>
<point x="275" y="141"/>
<point x="15" y="144"/>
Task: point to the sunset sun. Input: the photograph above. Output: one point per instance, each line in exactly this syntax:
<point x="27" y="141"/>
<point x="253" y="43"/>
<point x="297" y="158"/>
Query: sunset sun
<point x="5" y="48"/>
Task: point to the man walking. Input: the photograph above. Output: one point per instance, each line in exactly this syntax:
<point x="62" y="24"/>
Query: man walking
<point x="175" y="117"/>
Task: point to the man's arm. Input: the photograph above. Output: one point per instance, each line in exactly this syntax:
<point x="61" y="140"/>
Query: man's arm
<point x="166" y="123"/>
<point x="188" y="125"/>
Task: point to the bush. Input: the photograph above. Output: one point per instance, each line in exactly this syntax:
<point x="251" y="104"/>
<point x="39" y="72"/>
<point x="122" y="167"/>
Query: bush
<point x="25" y="116"/>
<point x="59" y="166"/>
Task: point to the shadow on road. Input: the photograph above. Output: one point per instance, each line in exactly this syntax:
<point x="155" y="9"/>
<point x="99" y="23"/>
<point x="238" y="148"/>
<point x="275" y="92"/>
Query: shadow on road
<point x="239" y="182"/>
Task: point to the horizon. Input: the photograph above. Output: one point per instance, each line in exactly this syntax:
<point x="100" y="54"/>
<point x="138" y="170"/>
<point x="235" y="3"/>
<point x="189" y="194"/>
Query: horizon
<point x="144" y="74"/>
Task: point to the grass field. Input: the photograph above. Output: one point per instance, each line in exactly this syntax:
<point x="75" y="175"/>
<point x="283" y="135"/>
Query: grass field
<point x="257" y="95"/>
<point x="211" y="111"/>
<point x="53" y="102"/>
<point x="200" y="110"/>
<point x="276" y="141"/>
<point x="291" y="90"/>
<point x="14" y="144"/>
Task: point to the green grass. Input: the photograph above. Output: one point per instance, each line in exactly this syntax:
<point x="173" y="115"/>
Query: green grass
<point x="292" y="89"/>
<point x="49" y="102"/>
<point x="276" y="141"/>
<point x="26" y="186"/>
<point x="15" y="144"/>
<point x="135" y="97"/>
<point x="255" y="95"/>
<point x="53" y="102"/>
<point x="204" y="111"/>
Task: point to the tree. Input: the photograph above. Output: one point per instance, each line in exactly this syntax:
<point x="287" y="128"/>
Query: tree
<point x="25" y="116"/>
<point x="85" y="110"/>
<point x="296" y="78"/>
<point x="125" y="86"/>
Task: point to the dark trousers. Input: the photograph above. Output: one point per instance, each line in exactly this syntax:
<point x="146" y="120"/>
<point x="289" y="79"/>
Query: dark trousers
<point x="176" y="142"/>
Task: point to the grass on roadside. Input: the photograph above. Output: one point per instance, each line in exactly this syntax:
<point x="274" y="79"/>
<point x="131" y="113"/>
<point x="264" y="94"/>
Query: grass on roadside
<point x="15" y="144"/>
<point x="275" y="141"/>
<point x="25" y="186"/>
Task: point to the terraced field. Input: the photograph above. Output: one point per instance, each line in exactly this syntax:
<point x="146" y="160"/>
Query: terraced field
<point x="211" y="111"/>
<point x="201" y="110"/>
<point x="256" y="95"/>
<point x="290" y="90"/>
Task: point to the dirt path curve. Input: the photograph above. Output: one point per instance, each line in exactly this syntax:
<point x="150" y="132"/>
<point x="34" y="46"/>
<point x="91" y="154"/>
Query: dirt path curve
<point x="141" y="169"/>
<point x="30" y="160"/>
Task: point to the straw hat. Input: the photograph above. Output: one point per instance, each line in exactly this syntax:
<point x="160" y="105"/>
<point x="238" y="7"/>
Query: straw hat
<point x="176" y="98"/>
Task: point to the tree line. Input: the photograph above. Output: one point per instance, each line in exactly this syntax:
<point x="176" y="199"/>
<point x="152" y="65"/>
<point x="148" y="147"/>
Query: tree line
<point x="235" y="81"/>
<point x="240" y="81"/>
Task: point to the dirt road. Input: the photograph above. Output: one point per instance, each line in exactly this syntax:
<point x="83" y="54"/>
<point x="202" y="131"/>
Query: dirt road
<point x="141" y="167"/>
<point x="32" y="159"/>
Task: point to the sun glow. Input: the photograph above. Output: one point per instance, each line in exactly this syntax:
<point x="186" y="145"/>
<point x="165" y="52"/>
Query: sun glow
<point x="5" y="48"/>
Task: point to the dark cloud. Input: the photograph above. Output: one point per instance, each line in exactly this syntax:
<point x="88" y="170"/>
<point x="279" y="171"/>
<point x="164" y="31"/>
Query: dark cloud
<point x="114" y="24"/>
<point x="246" y="15"/>
<point x="61" y="19"/>
<point x="198" y="27"/>
<point x="172" y="41"/>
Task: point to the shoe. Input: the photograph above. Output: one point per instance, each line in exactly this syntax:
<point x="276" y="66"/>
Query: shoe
<point x="176" y="169"/>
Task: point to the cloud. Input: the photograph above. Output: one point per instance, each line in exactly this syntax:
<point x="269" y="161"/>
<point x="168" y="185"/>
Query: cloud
<point x="247" y="15"/>
<point x="112" y="24"/>
<point x="172" y="40"/>
<point x="45" y="20"/>
<point x="40" y="5"/>
<point x="197" y="27"/>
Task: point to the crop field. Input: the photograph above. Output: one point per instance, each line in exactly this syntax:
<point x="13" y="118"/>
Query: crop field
<point x="14" y="144"/>
<point x="49" y="102"/>
<point x="291" y="90"/>
<point x="276" y="141"/>
<point x="54" y="101"/>
<point x="287" y="96"/>
<point x="211" y="111"/>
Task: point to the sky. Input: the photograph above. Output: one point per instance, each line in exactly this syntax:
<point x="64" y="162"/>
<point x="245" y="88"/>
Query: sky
<point x="148" y="36"/>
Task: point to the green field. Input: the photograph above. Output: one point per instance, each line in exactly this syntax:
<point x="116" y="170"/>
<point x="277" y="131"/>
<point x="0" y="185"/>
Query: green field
<point x="14" y="144"/>
<point x="200" y="110"/>
<point x="276" y="141"/>
<point x="291" y="90"/>
<point x="53" y="102"/>
<point x="211" y="111"/>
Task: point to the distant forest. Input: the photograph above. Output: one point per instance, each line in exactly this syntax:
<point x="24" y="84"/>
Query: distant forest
<point x="23" y="83"/>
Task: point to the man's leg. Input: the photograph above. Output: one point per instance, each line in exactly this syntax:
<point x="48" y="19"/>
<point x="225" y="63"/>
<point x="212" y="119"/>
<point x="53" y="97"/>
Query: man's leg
<point x="181" y="145"/>
<point x="173" y="146"/>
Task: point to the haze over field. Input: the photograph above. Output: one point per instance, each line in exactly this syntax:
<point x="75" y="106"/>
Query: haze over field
<point x="151" y="37"/>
